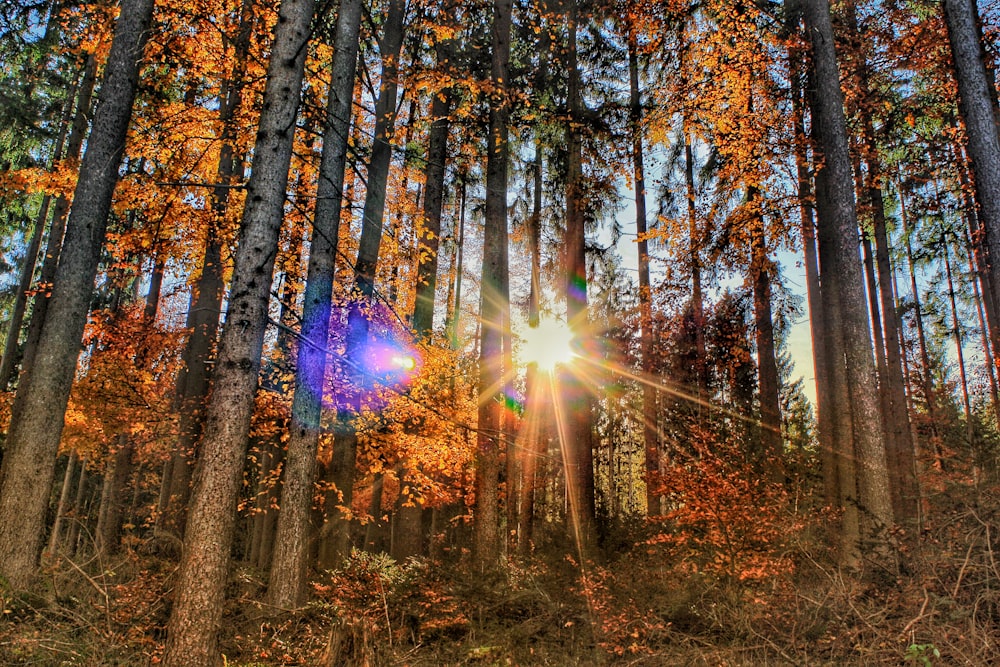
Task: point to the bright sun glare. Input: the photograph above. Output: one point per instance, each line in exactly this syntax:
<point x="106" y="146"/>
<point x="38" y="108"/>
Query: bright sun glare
<point x="549" y="344"/>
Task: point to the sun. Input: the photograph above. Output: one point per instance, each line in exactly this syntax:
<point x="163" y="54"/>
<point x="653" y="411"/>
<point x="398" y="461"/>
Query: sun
<point x="548" y="345"/>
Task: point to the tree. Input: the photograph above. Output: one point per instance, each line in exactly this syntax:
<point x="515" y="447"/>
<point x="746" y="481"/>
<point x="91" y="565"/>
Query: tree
<point x="39" y="411"/>
<point x="205" y="305"/>
<point x="373" y="215"/>
<point x="197" y="610"/>
<point x="839" y="258"/>
<point x="486" y="535"/>
<point x="977" y="105"/>
<point x="577" y="402"/>
<point x="287" y="581"/>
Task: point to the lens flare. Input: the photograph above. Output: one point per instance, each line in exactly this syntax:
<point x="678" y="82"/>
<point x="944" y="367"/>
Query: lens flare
<point x="549" y="344"/>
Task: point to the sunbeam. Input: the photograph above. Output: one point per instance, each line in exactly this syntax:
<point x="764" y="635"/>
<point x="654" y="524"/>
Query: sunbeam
<point x="548" y="345"/>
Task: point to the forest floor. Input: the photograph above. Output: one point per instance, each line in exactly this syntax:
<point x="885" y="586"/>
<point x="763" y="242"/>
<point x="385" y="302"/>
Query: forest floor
<point x="644" y="606"/>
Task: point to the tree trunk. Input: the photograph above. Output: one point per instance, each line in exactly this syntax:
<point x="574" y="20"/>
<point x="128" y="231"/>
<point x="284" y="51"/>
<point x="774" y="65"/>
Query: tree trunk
<point x="925" y="360"/>
<point x="956" y="330"/>
<point x="839" y="400"/>
<point x="57" y="228"/>
<point x="408" y="540"/>
<point x="39" y="413"/>
<point x="486" y="527"/>
<point x="61" y="508"/>
<point x="456" y="306"/>
<point x="197" y="611"/>
<point x="113" y="508"/>
<point x="814" y="299"/>
<point x="10" y="352"/>
<point x="287" y="584"/>
<point x="155" y="286"/>
<point x="368" y="249"/>
<point x="979" y="251"/>
<point x="767" y="368"/>
<point x="533" y="443"/>
<point x="988" y="348"/>
<point x="375" y="530"/>
<point x="76" y="513"/>
<point x="977" y="106"/>
<point x="901" y="457"/>
<point x="650" y="437"/>
<point x="873" y="476"/>
<point x="899" y="438"/>
<point x="205" y="304"/>
<point x="262" y="498"/>
<point x="576" y="403"/>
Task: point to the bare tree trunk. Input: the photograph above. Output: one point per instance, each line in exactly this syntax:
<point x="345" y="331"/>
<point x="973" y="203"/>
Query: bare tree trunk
<point x="576" y="403"/>
<point x="839" y="400"/>
<point x="956" y="330"/>
<point x="287" y="583"/>
<point x="10" y="352"/>
<point x="456" y="306"/>
<point x="57" y="228"/>
<point x="409" y="540"/>
<point x="650" y="436"/>
<point x="486" y="527"/>
<point x="899" y="438"/>
<point x="767" y="367"/>
<point x="61" y="508"/>
<point x="925" y="360"/>
<point x="155" y="286"/>
<point x="988" y="349"/>
<point x="821" y="355"/>
<point x="375" y="530"/>
<point x="40" y="405"/>
<point x="901" y="457"/>
<point x="113" y="506"/>
<point x="977" y="105"/>
<point x="197" y="610"/>
<point x="873" y="477"/>
<point x="205" y="304"/>
<point x="262" y="499"/>
<point x="533" y="443"/>
<point x="76" y="513"/>
<point x="979" y="251"/>
<point x="368" y="249"/>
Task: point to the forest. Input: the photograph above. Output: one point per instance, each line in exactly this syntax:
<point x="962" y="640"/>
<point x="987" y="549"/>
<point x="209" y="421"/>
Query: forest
<point x="496" y="332"/>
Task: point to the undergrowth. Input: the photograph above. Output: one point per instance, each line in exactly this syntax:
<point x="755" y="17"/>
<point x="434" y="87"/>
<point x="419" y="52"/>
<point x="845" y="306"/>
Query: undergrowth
<point x="638" y="609"/>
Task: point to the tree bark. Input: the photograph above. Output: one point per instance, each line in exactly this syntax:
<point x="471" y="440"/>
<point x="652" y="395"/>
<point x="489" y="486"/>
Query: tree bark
<point x="39" y="413"/>
<point x="576" y="401"/>
<point x="287" y="584"/>
<point x="899" y="438"/>
<point x="368" y="250"/>
<point x="814" y="299"/>
<point x="205" y="304"/>
<point x="650" y="438"/>
<point x="486" y="512"/>
<point x="113" y="512"/>
<point x="873" y="477"/>
<point x="976" y="104"/>
<point x="771" y="444"/>
<point x="197" y="611"/>
<point x="56" y="534"/>
<point x="57" y="228"/>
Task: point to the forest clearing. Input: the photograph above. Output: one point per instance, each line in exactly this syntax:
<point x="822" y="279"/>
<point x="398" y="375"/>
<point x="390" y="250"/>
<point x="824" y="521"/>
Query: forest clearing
<point x="548" y="332"/>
